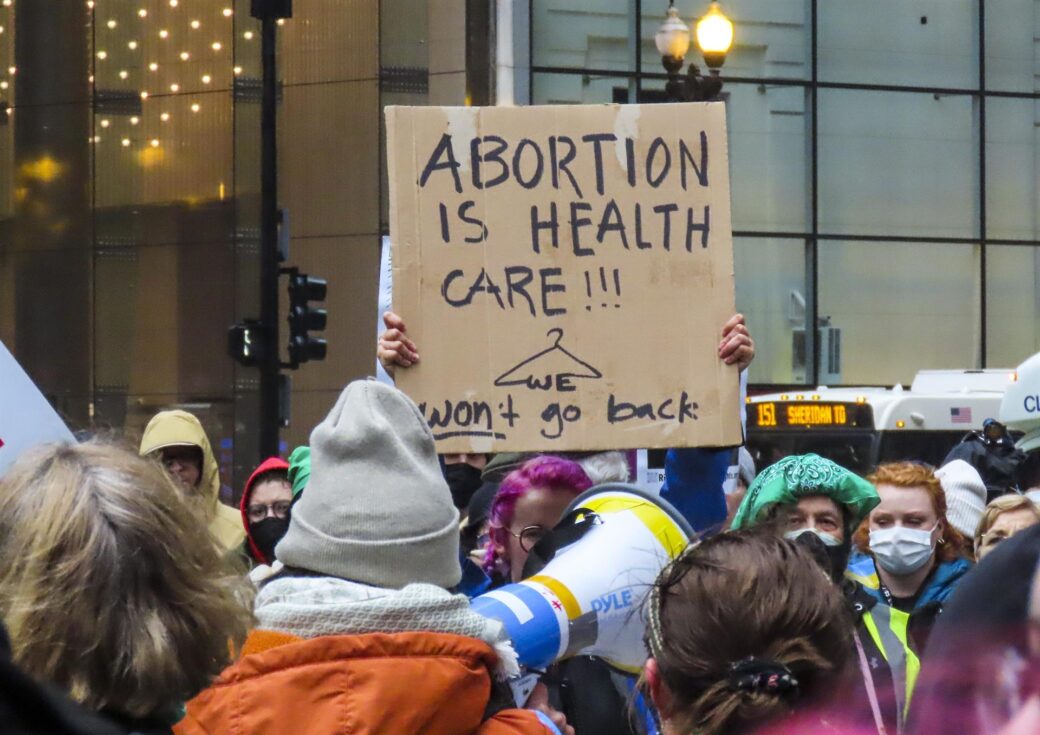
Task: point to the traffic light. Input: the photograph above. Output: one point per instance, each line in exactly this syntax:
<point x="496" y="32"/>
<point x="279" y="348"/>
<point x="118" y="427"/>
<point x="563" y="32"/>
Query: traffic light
<point x="246" y="342"/>
<point x="305" y="318"/>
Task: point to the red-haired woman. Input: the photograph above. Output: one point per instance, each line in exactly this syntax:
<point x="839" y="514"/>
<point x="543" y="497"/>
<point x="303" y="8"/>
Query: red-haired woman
<point x="914" y="557"/>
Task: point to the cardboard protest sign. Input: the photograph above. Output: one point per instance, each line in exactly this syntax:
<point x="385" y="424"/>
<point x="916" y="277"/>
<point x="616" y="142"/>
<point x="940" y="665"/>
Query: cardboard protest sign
<point x="26" y="418"/>
<point x="565" y="272"/>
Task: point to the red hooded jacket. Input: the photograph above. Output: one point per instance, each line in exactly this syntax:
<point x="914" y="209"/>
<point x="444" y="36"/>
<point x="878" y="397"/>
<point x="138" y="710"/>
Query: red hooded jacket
<point x="269" y="464"/>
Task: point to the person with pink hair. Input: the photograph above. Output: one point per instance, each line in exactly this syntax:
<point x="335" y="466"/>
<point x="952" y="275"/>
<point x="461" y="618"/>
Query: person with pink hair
<point x="529" y="503"/>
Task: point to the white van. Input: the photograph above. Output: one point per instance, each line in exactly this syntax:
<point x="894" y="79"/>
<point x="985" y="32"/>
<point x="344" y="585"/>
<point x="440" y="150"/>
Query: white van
<point x="860" y="428"/>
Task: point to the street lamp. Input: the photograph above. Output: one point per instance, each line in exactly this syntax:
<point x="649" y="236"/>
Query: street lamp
<point x="714" y="38"/>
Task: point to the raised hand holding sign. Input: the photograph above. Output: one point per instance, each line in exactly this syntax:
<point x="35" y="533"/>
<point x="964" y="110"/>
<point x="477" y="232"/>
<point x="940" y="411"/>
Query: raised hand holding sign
<point x="541" y="258"/>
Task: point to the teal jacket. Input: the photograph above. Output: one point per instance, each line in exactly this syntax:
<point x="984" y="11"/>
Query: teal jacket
<point x="938" y="587"/>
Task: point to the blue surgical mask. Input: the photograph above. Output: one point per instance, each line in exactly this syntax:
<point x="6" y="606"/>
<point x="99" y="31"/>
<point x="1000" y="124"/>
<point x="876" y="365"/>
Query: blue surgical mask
<point x="826" y="538"/>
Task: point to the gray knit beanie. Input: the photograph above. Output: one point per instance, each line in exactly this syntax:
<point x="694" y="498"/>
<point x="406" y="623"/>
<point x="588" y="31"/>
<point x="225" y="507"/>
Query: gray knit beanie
<point x="377" y="509"/>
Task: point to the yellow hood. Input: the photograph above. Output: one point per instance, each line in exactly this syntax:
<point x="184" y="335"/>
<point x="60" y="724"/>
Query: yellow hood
<point x="180" y="428"/>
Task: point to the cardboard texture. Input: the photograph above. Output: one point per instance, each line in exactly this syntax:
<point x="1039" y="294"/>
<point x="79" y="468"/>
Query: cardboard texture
<point x="565" y="272"/>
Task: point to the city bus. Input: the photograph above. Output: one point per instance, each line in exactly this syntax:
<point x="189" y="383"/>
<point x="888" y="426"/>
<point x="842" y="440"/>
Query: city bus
<point x="860" y="428"/>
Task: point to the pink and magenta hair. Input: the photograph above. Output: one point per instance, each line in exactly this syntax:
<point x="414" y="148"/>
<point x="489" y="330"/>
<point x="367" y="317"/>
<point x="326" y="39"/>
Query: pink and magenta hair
<point x="544" y="471"/>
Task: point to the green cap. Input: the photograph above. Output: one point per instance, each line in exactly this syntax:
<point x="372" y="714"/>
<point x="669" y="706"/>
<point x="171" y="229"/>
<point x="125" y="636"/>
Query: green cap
<point x="503" y="463"/>
<point x="299" y="469"/>
<point x="799" y="476"/>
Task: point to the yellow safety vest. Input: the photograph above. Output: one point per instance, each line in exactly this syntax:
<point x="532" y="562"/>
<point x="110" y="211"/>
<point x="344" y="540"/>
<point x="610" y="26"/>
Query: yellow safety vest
<point x="887" y="627"/>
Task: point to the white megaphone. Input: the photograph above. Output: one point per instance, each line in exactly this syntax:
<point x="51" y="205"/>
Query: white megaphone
<point x="603" y="559"/>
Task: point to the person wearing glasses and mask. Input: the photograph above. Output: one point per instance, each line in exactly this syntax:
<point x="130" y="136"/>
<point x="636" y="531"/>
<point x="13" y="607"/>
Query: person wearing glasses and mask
<point x="266" y="502"/>
<point x="915" y="557"/>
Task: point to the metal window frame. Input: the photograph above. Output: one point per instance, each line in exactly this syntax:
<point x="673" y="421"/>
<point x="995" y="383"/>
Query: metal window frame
<point x="812" y="235"/>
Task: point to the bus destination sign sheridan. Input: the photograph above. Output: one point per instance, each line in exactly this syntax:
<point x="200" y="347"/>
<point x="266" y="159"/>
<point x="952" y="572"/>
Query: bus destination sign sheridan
<point x="808" y="415"/>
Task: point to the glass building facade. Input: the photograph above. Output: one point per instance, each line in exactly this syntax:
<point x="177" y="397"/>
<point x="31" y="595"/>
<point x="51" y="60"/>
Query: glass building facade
<point x="884" y="163"/>
<point x="127" y="210"/>
<point x="130" y="195"/>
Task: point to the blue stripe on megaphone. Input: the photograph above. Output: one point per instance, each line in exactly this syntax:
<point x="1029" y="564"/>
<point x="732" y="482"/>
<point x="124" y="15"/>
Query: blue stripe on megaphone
<point x="529" y="619"/>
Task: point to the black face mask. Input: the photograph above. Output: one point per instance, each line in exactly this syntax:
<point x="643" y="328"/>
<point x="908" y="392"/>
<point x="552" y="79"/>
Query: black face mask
<point x="833" y="559"/>
<point x="266" y="534"/>
<point x="463" y="480"/>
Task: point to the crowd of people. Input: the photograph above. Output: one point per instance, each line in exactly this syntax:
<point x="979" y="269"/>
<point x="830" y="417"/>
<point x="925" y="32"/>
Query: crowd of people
<point x="337" y="597"/>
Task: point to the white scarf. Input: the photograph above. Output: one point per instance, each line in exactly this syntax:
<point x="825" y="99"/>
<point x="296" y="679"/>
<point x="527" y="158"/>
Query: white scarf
<point x="310" y="607"/>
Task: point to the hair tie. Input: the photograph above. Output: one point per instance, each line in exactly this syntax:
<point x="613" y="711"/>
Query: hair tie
<point x="760" y="675"/>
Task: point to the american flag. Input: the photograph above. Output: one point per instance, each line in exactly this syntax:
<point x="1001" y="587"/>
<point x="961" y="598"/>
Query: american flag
<point x="960" y="415"/>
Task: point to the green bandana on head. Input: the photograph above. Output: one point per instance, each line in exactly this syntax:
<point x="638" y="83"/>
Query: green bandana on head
<point x="802" y="475"/>
<point x="299" y="469"/>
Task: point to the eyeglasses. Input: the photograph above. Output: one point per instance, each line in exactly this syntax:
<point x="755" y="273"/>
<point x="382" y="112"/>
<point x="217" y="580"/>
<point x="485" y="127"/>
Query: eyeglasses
<point x="529" y="536"/>
<point x="258" y="512"/>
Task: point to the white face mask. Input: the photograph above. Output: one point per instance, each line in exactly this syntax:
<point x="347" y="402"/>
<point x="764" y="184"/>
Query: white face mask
<point x="902" y="551"/>
<point x="826" y="538"/>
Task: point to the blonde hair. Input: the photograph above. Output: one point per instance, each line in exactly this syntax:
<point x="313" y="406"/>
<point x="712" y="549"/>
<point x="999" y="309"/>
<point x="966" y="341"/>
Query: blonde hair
<point x="998" y="507"/>
<point x="111" y="586"/>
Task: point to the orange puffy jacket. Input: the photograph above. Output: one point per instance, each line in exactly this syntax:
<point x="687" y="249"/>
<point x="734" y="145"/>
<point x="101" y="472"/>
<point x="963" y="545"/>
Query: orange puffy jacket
<point x="372" y="684"/>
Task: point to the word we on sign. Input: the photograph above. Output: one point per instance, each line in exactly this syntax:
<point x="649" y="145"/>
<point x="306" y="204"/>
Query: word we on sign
<point x="566" y="272"/>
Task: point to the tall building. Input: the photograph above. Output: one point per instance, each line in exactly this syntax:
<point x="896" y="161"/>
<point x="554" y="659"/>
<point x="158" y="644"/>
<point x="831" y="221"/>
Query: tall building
<point x="883" y="155"/>
<point x="130" y="194"/>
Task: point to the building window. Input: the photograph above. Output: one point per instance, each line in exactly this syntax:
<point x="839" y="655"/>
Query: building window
<point x="884" y="162"/>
